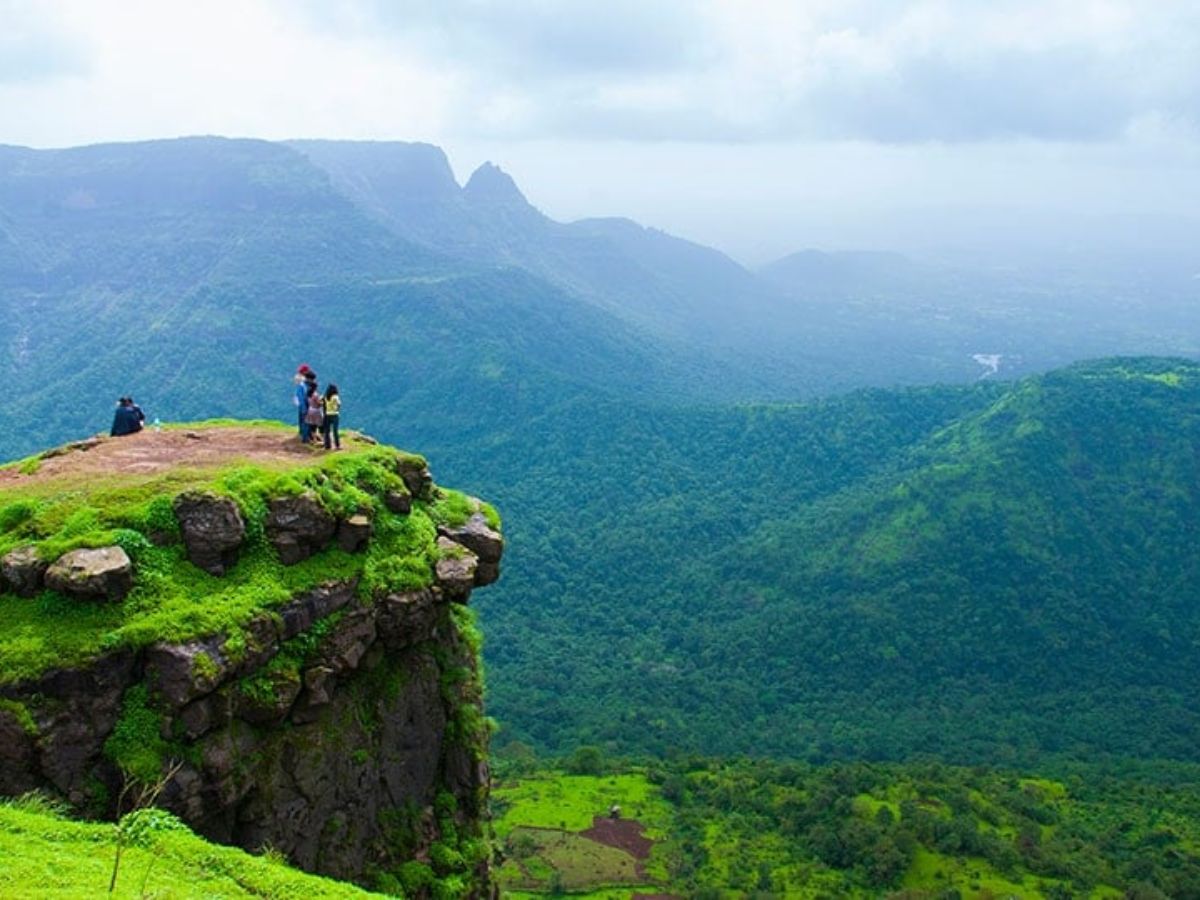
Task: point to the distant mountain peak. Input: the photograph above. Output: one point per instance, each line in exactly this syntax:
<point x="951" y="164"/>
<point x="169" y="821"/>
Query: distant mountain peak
<point x="491" y="184"/>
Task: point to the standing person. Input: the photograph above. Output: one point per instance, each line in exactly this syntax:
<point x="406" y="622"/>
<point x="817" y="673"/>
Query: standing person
<point x="300" y="398"/>
<point x="333" y="409"/>
<point x="314" y="417"/>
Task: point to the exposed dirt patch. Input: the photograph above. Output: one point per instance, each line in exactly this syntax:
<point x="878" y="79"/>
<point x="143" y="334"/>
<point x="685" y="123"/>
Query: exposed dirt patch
<point x="624" y="834"/>
<point x="150" y="452"/>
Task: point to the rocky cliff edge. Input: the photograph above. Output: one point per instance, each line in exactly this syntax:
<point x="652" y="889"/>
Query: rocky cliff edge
<point x="282" y="634"/>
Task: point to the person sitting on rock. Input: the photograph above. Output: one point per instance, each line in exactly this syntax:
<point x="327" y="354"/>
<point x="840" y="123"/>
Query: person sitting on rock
<point x="137" y="411"/>
<point x="127" y="419"/>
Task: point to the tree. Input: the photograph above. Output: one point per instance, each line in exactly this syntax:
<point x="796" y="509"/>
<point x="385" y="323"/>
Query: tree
<point x="586" y="761"/>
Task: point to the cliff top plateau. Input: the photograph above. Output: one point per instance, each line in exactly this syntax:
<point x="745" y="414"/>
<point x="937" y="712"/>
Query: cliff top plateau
<point x="193" y="530"/>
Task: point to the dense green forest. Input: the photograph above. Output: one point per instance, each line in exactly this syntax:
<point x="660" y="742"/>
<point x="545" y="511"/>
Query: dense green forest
<point x="1000" y="573"/>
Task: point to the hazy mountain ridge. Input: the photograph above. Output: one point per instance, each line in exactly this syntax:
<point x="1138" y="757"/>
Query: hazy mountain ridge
<point x="123" y="231"/>
<point x="198" y="271"/>
<point x="655" y="280"/>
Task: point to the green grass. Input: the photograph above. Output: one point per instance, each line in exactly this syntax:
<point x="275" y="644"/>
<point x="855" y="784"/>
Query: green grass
<point x="970" y="876"/>
<point x="542" y="815"/>
<point x="172" y="599"/>
<point x="570" y="802"/>
<point x="47" y="855"/>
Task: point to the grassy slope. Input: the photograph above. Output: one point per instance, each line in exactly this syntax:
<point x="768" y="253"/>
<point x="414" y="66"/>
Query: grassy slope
<point x="48" y="855"/>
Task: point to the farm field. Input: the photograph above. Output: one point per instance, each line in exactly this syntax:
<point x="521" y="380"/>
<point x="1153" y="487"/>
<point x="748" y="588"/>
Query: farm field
<point x="737" y="829"/>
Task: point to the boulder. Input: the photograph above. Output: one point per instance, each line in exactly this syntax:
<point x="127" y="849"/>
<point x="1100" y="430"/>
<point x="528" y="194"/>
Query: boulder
<point x="16" y="751"/>
<point x="299" y="527"/>
<point x="180" y="673"/>
<point x="212" y="529"/>
<point x="196" y="718"/>
<point x="416" y="476"/>
<point x="314" y="605"/>
<point x="399" y="502"/>
<point x="354" y="533"/>
<point x="269" y="697"/>
<point x="101" y="573"/>
<point x="319" y="682"/>
<point x="455" y="569"/>
<point x="482" y="540"/>
<point x="406" y="618"/>
<point x="22" y="572"/>
<point x="342" y="649"/>
<point x="486" y="573"/>
<point x="261" y="639"/>
<point x="75" y="710"/>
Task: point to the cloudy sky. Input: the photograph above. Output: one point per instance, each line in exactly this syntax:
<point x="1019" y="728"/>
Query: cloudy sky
<point x="758" y="125"/>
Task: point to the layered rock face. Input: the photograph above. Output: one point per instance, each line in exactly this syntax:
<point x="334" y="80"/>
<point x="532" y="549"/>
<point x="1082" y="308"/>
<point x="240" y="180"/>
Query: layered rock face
<point x="343" y="727"/>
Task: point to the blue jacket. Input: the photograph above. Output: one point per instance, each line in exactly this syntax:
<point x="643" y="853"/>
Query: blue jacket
<point x="125" y="421"/>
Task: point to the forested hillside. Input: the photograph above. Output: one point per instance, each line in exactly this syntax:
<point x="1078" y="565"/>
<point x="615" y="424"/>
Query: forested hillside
<point x="989" y="574"/>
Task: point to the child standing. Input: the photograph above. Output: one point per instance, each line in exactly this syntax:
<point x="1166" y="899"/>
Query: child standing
<point x="333" y="409"/>
<point x="313" y="418"/>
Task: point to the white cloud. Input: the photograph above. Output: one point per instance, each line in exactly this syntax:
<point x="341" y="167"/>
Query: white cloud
<point x="759" y="125"/>
<point x="722" y="70"/>
<point x="162" y="68"/>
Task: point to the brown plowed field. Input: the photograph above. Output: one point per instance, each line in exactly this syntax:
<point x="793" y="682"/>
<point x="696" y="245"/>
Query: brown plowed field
<point x="624" y="834"/>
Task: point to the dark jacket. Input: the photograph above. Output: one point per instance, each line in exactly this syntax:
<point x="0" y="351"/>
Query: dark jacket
<point x="126" y="421"/>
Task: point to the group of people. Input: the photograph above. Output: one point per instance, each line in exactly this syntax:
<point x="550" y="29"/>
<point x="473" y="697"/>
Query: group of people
<point x="128" y="419"/>
<point x="319" y="413"/>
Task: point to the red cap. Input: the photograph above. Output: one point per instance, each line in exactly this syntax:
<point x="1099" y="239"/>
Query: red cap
<point x="303" y="368"/>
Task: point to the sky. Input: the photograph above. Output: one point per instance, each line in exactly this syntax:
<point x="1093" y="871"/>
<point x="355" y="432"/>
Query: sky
<point x="758" y="126"/>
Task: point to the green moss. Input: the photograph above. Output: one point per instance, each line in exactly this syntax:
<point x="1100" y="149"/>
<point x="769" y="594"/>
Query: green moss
<point x="20" y="713"/>
<point x="136" y="743"/>
<point x="266" y="685"/>
<point x="490" y="515"/>
<point x="173" y="600"/>
<point x="203" y="666"/>
<point x="415" y="876"/>
<point x="285" y="666"/>
<point x="452" y="508"/>
<point x="15" y="514"/>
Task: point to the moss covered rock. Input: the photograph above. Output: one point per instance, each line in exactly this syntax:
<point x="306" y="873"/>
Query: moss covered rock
<point x="92" y="573"/>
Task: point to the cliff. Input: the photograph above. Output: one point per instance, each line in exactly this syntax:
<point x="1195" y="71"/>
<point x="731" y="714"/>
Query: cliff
<point x="281" y="633"/>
